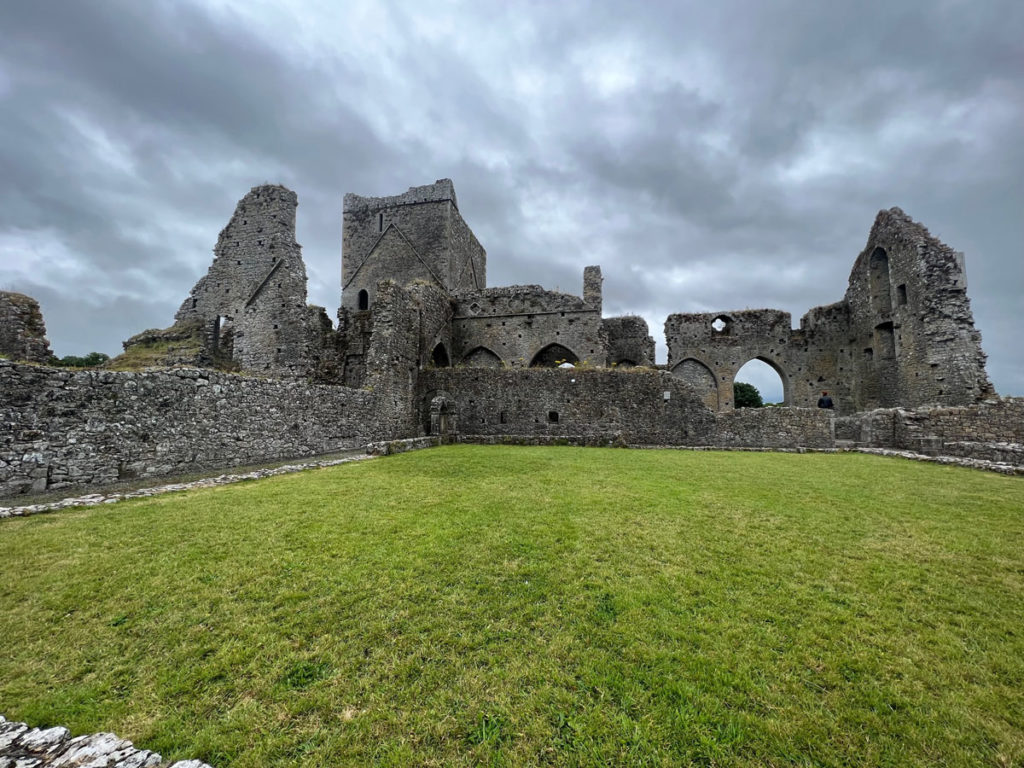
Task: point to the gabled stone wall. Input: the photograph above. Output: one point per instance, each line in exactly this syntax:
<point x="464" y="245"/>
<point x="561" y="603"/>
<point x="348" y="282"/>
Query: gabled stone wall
<point x="419" y="235"/>
<point x="252" y="301"/>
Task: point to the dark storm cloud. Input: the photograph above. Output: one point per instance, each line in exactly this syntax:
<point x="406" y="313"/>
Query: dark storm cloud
<point x="708" y="156"/>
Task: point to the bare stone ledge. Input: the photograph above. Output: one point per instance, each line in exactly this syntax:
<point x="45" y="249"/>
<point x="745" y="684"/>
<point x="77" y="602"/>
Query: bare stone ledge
<point x="24" y="747"/>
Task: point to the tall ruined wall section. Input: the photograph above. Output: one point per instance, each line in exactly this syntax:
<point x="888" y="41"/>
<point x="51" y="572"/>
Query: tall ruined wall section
<point x="22" y="330"/>
<point x="629" y="341"/>
<point x="252" y="301"/>
<point x="902" y="335"/>
<point x="416" y="236"/>
<point x="393" y="358"/>
<point x="524" y="325"/>
<point x="707" y="350"/>
<point x="599" y="407"/>
<point x="67" y="428"/>
<point x="911" y="321"/>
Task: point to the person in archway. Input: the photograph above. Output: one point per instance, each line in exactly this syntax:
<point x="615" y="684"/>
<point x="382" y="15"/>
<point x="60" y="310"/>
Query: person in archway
<point x="825" y="401"/>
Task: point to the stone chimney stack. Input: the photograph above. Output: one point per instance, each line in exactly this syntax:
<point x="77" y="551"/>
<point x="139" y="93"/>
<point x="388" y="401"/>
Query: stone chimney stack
<point x="592" y="286"/>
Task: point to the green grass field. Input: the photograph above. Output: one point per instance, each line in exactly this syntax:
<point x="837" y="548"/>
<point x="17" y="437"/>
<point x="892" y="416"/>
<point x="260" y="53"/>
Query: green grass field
<point x="535" y="606"/>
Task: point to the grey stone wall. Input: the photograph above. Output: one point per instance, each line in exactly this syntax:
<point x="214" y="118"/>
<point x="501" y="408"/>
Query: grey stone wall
<point x="610" y="406"/>
<point x="22" y="330"/>
<point x="629" y="341"/>
<point x="393" y="359"/>
<point x="66" y="428"/>
<point x="915" y="340"/>
<point x="252" y="301"/>
<point x="992" y="430"/>
<point x="902" y="335"/>
<point x="707" y="350"/>
<point x="418" y="235"/>
<point x="523" y="325"/>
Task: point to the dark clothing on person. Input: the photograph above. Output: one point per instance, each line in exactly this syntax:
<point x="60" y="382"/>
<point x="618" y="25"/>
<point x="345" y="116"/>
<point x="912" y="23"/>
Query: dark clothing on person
<point x="824" y="401"/>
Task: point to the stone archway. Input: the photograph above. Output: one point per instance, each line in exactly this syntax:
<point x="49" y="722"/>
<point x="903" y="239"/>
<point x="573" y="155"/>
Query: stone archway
<point x="700" y="378"/>
<point x="552" y="356"/>
<point x="774" y="366"/>
<point x="481" y="357"/>
<point x="439" y="357"/>
<point x="442" y="417"/>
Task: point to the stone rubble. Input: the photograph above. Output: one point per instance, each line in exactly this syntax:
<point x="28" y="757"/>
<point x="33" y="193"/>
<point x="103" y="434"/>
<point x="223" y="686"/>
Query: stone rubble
<point x="24" y="747"/>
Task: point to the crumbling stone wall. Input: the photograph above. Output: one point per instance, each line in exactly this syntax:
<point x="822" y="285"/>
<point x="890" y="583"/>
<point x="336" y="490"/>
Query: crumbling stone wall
<point x="435" y="310"/>
<point x="629" y="341"/>
<point x="22" y="330"/>
<point x="418" y="235"/>
<point x="67" y="428"/>
<point x="640" y="406"/>
<point x="252" y="301"/>
<point x="393" y="359"/>
<point x="708" y="350"/>
<point x="992" y="430"/>
<point x="911" y="321"/>
<point x="525" y="325"/>
<point x="902" y="335"/>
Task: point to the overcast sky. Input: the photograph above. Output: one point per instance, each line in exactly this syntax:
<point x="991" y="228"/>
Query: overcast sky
<point x="709" y="156"/>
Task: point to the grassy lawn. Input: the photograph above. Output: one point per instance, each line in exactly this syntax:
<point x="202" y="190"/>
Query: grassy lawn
<point x="535" y="606"/>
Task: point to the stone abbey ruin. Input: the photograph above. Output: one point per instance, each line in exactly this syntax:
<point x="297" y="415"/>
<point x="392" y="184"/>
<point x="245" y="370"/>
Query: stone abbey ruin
<point x="423" y="348"/>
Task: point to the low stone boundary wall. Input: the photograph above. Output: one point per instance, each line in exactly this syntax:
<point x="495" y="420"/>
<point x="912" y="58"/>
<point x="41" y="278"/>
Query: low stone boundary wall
<point x="62" y="429"/>
<point x="992" y="421"/>
<point x="610" y="407"/>
<point x="991" y="431"/>
<point x="22" y="746"/>
<point x="774" y="428"/>
<point x="95" y="499"/>
<point x="388" y="447"/>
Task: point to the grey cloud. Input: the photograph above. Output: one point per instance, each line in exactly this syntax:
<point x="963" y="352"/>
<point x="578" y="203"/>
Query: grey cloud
<point x="708" y="167"/>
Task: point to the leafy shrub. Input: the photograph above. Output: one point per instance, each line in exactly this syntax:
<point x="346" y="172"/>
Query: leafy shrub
<point x="746" y="395"/>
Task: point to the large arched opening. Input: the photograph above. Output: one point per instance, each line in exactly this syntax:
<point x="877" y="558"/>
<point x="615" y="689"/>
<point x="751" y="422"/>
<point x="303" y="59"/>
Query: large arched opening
<point x="767" y="377"/>
<point x="439" y="357"/>
<point x="700" y="379"/>
<point x="364" y="300"/>
<point x="552" y="356"/>
<point x="481" y="357"/>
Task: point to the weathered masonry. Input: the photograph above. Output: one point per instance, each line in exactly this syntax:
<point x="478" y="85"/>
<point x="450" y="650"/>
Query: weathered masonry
<point x="249" y="372"/>
<point x="22" y="330"/>
<point x="903" y="335"/>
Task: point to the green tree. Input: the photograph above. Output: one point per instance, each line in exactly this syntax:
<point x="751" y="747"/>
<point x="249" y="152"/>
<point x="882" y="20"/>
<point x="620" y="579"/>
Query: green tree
<point x="746" y="395"/>
<point x="88" y="361"/>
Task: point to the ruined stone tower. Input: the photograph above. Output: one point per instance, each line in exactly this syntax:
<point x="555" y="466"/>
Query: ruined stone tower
<point x="252" y="302"/>
<point x="418" y="235"/>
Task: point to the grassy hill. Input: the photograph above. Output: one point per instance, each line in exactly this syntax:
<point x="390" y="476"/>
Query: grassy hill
<point x="535" y="606"/>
